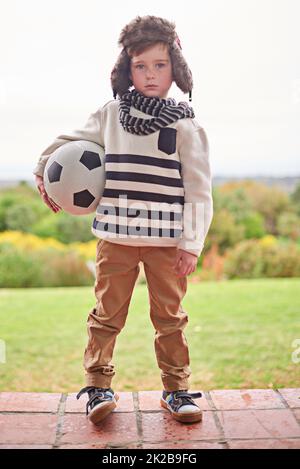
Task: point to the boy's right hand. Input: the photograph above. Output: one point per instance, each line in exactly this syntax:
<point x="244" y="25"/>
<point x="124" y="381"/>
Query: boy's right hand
<point x="39" y="180"/>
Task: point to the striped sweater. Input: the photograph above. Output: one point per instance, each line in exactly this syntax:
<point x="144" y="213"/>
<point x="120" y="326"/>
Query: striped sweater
<point x="158" y="186"/>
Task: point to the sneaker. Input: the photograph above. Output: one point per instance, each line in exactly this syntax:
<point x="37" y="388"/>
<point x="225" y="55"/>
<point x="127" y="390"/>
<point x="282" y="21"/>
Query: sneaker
<point x="101" y="402"/>
<point x="182" y="406"/>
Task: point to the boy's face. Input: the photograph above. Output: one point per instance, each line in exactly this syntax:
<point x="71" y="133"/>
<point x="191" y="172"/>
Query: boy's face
<point x="152" y="67"/>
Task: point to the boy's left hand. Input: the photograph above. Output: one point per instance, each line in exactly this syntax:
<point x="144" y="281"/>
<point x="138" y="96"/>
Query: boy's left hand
<point x="185" y="263"/>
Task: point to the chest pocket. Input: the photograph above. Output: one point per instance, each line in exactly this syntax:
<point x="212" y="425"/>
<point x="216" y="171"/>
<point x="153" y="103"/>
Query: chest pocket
<point x="167" y="140"/>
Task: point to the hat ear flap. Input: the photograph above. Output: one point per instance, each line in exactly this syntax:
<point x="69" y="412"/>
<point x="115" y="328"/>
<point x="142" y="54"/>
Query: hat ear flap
<point x="119" y="78"/>
<point x="182" y="75"/>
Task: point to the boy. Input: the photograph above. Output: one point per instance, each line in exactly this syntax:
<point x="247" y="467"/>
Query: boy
<point x="156" y="208"/>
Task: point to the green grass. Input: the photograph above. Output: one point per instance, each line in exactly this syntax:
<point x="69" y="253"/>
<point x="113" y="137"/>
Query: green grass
<point x="240" y="335"/>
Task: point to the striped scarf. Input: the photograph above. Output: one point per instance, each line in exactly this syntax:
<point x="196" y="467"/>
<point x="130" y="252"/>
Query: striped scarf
<point x="165" y="112"/>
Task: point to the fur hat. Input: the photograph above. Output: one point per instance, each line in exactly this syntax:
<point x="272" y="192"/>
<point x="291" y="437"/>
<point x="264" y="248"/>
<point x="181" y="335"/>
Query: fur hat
<point x="142" y="31"/>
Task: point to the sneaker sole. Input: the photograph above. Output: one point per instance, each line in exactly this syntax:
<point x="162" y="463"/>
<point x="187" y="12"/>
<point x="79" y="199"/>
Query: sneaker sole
<point x="185" y="417"/>
<point x="98" y="413"/>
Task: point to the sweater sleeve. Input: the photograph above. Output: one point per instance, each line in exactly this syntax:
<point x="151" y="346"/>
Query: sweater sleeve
<point x="92" y="131"/>
<point x="196" y="176"/>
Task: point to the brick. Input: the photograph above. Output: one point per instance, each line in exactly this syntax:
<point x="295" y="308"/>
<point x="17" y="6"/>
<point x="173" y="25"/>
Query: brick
<point x="25" y="447"/>
<point x="149" y="400"/>
<point x="184" y="445"/>
<point x="161" y="426"/>
<point x="235" y="399"/>
<point x="29" y="402"/>
<point x="28" y="429"/>
<point x="296" y="413"/>
<point x="116" y="428"/>
<point x="251" y="424"/>
<point x="101" y="446"/>
<point x="292" y="396"/>
<point x="265" y="444"/>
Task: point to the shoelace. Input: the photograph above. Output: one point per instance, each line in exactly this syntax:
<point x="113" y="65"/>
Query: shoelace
<point x="99" y="393"/>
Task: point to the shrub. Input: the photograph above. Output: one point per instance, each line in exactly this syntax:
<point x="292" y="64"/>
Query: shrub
<point x="18" y="212"/>
<point x="28" y="261"/>
<point x="224" y="231"/>
<point x="254" y="225"/>
<point x="64" y="270"/>
<point x="262" y="258"/>
<point x="64" y="227"/>
<point x="18" y="268"/>
<point x="212" y="265"/>
<point x="288" y="224"/>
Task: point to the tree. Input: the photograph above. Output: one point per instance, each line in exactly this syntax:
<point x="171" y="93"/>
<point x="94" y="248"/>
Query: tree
<point x="288" y="224"/>
<point x="295" y="197"/>
<point x="20" y="216"/>
<point x="254" y="225"/>
<point x="270" y="202"/>
<point x="64" y="227"/>
<point x="224" y="231"/>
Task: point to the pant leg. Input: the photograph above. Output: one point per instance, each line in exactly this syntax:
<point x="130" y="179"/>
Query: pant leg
<point x="166" y="292"/>
<point x="116" y="272"/>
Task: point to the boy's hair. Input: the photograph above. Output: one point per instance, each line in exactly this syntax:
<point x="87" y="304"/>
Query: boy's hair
<point x="137" y="49"/>
<point x="137" y="36"/>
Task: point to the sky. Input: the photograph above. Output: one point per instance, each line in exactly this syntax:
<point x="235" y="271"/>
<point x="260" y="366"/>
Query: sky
<point x="56" y="57"/>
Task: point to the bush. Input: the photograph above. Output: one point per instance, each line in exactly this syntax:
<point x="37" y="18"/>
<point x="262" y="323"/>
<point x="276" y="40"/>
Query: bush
<point x="288" y="224"/>
<point x="64" y="227"/>
<point x="254" y="225"/>
<point x="21" y="208"/>
<point x="262" y="258"/>
<point x="27" y="261"/>
<point x="20" y="217"/>
<point x="18" y="268"/>
<point x="64" y="270"/>
<point x="6" y="202"/>
<point x="224" y="231"/>
<point x="19" y="212"/>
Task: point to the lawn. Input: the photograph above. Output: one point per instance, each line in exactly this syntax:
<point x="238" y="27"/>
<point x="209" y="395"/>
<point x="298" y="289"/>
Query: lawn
<point x="240" y="335"/>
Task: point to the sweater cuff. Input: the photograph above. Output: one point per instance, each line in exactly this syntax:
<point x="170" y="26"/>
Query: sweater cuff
<point x="193" y="247"/>
<point x="39" y="170"/>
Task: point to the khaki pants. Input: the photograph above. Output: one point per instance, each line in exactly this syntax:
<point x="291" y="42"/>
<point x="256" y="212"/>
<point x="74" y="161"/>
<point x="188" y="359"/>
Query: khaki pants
<point x="117" y="268"/>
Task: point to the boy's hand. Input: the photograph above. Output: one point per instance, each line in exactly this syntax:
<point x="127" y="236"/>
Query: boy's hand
<point x="39" y="180"/>
<point x="185" y="263"/>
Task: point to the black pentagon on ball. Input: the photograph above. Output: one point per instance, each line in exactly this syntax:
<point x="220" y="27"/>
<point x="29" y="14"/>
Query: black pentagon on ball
<point x="83" y="198"/>
<point x="90" y="159"/>
<point x="54" y="172"/>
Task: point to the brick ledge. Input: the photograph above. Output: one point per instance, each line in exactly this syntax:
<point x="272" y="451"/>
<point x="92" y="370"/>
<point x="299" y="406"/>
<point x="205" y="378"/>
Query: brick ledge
<point x="232" y="419"/>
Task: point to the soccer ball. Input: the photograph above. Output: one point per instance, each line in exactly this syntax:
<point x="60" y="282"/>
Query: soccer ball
<point x="74" y="176"/>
